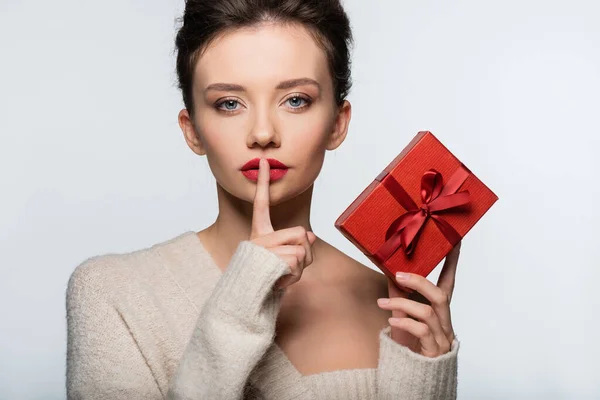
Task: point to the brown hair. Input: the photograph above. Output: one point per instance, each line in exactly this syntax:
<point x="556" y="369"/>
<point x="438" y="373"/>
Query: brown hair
<point x="204" y="20"/>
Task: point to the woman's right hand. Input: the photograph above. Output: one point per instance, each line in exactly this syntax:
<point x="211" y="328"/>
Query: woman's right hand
<point x="293" y="245"/>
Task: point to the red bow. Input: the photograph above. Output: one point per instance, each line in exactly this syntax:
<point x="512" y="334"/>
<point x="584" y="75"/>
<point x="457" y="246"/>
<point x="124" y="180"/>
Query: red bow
<point x="436" y="197"/>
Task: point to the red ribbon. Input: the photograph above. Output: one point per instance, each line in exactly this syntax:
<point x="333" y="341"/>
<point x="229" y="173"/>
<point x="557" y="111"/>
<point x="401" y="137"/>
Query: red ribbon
<point x="435" y="197"/>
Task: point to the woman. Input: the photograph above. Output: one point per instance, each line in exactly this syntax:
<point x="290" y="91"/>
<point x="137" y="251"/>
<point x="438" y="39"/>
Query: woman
<point x="232" y="311"/>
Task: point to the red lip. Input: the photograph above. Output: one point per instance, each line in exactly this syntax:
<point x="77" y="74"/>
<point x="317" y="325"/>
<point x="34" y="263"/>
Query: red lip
<point x="273" y="163"/>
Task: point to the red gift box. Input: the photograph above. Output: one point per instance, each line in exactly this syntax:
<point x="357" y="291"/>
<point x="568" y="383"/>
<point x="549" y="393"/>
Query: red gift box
<point x="421" y="205"/>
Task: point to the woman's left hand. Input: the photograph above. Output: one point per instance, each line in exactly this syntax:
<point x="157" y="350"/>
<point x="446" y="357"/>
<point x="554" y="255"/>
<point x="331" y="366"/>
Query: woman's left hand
<point x="421" y="321"/>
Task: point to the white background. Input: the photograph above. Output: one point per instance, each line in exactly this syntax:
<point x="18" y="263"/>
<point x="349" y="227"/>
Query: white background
<point x="92" y="161"/>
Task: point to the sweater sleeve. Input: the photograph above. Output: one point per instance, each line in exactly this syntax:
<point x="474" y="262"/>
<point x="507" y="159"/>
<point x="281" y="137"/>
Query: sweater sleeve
<point x="404" y="374"/>
<point x="103" y="360"/>
<point x="234" y="329"/>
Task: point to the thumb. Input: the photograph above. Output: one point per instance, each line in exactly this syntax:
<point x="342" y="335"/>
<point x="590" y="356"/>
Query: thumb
<point x="311" y="237"/>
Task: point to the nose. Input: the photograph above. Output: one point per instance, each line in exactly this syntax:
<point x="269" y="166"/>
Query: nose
<point x="262" y="131"/>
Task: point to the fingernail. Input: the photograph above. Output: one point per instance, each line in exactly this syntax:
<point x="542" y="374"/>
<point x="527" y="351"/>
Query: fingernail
<point x="402" y="276"/>
<point x="383" y="301"/>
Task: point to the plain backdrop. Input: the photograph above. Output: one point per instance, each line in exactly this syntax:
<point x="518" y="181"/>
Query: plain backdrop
<point x="92" y="161"/>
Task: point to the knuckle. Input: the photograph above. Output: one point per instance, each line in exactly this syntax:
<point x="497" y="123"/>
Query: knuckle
<point x="291" y="261"/>
<point x="446" y="346"/>
<point x="440" y="298"/>
<point x="429" y="312"/>
<point x="300" y="231"/>
<point x="424" y="330"/>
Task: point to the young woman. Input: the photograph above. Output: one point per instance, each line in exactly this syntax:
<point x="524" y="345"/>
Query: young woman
<point x="256" y="305"/>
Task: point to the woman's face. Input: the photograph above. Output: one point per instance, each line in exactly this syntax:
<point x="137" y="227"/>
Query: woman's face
<point x="264" y="92"/>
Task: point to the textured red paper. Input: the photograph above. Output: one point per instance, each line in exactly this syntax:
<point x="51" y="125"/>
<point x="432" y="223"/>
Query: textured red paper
<point x="367" y="219"/>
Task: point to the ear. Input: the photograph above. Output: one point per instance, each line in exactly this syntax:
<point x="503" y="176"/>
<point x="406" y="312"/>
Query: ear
<point x="340" y="128"/>
<point x="190" y="133"/>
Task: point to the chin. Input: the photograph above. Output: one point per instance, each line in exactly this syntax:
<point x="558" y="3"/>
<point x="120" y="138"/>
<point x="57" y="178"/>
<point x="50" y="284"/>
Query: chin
<point x="280" y="192"/>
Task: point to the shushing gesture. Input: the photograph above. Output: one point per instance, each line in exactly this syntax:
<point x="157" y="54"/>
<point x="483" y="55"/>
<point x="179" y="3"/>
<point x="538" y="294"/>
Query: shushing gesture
<point x="293" y="245"/>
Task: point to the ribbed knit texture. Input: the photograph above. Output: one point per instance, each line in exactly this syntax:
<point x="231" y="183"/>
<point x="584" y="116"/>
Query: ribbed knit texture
<point x="166" y="323"/>
<point x="345" y="384"/>
<point x="420" y="378"/>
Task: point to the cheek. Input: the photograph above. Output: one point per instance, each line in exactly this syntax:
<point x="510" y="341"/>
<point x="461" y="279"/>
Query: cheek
<point x="309" y="144"/>
<point x="218" y="134"/>
<point x="310" y="135"/>
<point x="220" y="153"/>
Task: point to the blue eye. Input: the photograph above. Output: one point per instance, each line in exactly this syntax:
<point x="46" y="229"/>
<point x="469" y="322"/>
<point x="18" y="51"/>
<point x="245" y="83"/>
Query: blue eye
<point x="229" y="105"/>
<point x="296" y="102"/>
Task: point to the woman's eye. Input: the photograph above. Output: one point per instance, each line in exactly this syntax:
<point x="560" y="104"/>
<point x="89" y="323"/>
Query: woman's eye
<point x="228" y="105"/>
<point x="296" y="101"/>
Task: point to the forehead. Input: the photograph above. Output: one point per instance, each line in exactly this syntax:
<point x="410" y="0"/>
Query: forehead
<point x="268" y="53"/>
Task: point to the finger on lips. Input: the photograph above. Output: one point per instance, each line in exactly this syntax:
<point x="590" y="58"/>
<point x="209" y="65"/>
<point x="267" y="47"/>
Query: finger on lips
<point x="261" y="218"/>
<point x="293" y="245"/>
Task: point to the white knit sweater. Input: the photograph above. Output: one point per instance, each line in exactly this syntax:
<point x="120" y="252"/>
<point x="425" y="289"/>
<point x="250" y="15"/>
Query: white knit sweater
<point x="166" y="323"/>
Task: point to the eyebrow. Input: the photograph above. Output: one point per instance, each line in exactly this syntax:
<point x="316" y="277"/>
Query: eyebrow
<point x="291" y="83"/>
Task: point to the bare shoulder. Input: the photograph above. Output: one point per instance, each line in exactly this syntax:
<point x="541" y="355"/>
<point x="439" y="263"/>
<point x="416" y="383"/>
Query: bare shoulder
<point x="350" y="289"/>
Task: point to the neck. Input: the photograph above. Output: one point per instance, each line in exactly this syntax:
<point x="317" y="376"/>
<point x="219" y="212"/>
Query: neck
<point x="234" y="222"/>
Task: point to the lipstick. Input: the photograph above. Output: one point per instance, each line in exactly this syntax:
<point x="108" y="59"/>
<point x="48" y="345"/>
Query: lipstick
<point x="277" y="169"/>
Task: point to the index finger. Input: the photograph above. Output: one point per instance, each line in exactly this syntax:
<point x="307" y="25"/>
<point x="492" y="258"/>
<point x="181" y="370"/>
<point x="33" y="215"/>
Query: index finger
<point x="448" y="275"/>
<point x="261" y="218"/>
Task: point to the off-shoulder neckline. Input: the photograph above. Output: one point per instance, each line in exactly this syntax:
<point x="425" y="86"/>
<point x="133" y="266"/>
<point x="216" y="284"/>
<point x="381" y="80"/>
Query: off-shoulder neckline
<point x="279" y="352"/>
